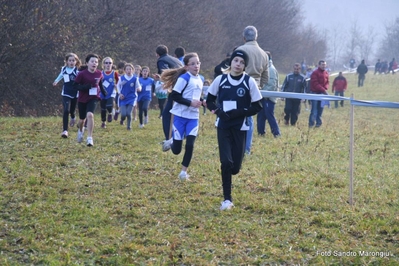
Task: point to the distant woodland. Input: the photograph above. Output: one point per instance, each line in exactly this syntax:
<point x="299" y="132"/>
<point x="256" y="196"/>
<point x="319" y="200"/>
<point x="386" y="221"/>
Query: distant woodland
<point x="35" y="36"/>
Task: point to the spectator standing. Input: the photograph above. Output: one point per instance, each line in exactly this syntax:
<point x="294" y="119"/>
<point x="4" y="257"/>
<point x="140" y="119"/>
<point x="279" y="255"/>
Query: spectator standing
<point x="294" y="82"/>
<point x="384" y="67"/>
<point x="377" y="68"/>
<point x="361" y="71"/>
<point x="319" y="83"/>
<point x="257" y="67"/>
<point x="268" y="103"/>
<point x="165" y="61"/>
<point x="352" y="63"/>
<point x="392" y="66"/>
<point x="339" y="87"/>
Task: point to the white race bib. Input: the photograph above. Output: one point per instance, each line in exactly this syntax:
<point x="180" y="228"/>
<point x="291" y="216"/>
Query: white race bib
<point x="229" y="105"/>
<point x="93" y="91"/>
<point x="66" y="78"/>
<point x="105" y="83"/>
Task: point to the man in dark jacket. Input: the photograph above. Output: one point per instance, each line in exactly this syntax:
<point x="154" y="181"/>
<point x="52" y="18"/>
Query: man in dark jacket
<point x="294" y="82"/>
<point x="318" y="85"/>
<point x="361" y="71"/>
<point x="165" y="61"/>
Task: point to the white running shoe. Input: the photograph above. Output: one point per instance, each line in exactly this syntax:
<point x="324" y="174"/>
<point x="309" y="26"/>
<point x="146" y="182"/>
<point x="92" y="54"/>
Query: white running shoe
<point x="226" y="205"/>
<point x="90" y="141"/>
<point x="141" y="126"/>
<point x="80" y="136"/>
<point x="145" y="120"/>
<point x="72" y="122"/>
<point x="167" y="144"/>
<point x="183" y="176"/>
<point x="64" y="134"/>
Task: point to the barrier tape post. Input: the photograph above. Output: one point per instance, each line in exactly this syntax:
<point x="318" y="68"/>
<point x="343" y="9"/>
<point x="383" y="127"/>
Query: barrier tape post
<point x="351" y="147"/>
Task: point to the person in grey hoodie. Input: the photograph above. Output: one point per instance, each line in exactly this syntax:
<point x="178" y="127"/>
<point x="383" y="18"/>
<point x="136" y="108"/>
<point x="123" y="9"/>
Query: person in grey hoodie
<point x="268" y="103"/>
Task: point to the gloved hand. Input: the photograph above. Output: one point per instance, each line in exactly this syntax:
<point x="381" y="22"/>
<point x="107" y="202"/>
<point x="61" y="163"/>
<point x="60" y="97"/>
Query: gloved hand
<point x="222" y="115"/>
<point x="235" y="113"/>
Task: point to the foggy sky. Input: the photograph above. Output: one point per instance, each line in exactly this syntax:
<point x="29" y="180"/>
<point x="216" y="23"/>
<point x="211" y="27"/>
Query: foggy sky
<point x="342" y="14"/>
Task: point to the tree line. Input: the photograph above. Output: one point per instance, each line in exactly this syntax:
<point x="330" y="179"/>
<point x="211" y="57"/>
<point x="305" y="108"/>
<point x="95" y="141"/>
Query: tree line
<point x="36" y="35"/>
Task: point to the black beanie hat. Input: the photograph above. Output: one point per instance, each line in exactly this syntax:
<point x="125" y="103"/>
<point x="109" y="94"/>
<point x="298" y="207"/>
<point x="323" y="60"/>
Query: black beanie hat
<point x="239" y="53"/>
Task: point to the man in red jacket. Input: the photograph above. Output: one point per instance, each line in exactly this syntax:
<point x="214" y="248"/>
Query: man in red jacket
<point x="318" y="85"/>
<point x="339" y="86"/>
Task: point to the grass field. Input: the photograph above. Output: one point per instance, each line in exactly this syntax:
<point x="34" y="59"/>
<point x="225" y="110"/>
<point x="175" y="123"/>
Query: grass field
<point x="121" y="203"/>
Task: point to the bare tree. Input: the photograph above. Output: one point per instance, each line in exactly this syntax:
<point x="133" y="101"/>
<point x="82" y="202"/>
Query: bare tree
<point x="366" y="44"/>
<point x="336" y="39"/>
<point x="312" y="44"/>
<point x="354" y="41"/>
<point x="39" y="34"/>
<point x="389" y="46"/>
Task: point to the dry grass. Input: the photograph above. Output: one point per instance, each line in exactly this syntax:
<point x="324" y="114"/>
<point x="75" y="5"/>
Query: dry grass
<point x="121" y="203"/>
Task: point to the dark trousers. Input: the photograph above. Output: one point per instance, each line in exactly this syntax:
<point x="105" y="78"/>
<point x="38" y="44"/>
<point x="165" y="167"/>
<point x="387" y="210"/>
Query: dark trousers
<point x="161" y="103"/>
<point x="231" y="152"/>
<point x="291" y="110"/>
<point x="166" y="117"/>
<point x="360" y="80"/>
<point x="69" y="105"/>
<point x="106" y="106"/>
<point x="143" y="109"/>
<point x="267" y="113"/>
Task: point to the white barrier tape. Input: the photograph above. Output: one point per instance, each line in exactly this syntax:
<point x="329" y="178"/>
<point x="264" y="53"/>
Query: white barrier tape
<point x="325" y="97"/>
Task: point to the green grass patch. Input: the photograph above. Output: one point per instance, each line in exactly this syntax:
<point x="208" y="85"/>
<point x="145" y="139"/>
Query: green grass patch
<point x="121" y="203"/>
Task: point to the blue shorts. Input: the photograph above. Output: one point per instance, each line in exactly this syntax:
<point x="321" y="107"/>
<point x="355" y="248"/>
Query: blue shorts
<point x="183" y="127"/>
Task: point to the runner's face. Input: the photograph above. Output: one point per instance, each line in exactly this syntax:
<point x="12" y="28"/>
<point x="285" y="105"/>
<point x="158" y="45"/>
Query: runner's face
<point x="193" y="65"/>
<point x="107" y="65"/>
<point x="145" y="73"/>
<point x="237" y="65"/>
<point x="71" y="61"/>
<point x="129" y="70"/>
<point x="92" y="64"/>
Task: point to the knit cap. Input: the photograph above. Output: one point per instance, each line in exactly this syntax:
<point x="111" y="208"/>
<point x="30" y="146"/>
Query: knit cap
<point x="239" y="53"/>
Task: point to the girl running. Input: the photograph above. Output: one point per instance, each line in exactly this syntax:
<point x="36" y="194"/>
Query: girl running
<point x="128" y="86"/>
<point x="111" y="78"/>
<point x="69" y="94"/>
<point x="186" y="94"/>
<point x="144" y="97"/>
